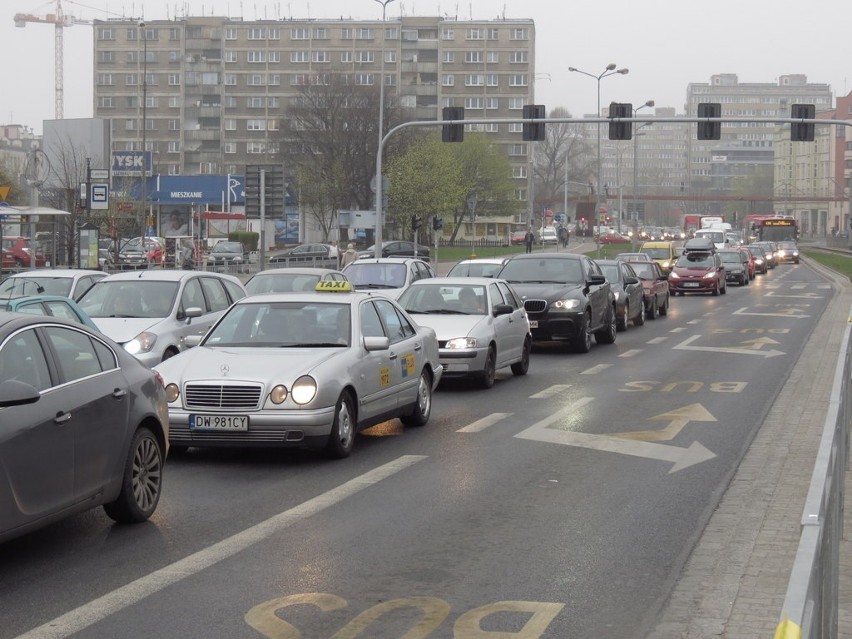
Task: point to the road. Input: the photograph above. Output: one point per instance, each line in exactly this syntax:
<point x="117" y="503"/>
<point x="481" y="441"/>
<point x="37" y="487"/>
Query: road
<point x="560" y="504"/>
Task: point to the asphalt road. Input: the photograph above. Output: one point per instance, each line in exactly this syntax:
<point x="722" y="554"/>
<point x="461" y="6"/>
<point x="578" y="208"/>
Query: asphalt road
<point x="560" y="504"/>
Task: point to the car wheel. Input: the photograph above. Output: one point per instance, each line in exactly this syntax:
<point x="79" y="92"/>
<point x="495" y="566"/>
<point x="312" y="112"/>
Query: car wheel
<point x="639" y="320"/>
<point x="342" y="436"/>
<point x="607" y="334"/>
<point x="724" y="288"/>
<point x="521" y="368"/>
<point x="486" y="377"/>
<point x="170" y="352"/>
<point x="664" y="309"/>
<point x="423" y="407"/>
<point x="652" y="309"/>
<point x="19" y="263"/>
<point x="583" y="341"/>
<point x="621" y="322"/>
<point x="141" y="482"/>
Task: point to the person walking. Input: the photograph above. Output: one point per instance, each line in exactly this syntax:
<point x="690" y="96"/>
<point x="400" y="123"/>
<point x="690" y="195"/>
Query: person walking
<point x="349" y="255"/>
<point x="529" y="238"/>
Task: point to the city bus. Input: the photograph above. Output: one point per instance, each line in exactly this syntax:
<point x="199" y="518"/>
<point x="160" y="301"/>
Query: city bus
<point x="776" y="229"/>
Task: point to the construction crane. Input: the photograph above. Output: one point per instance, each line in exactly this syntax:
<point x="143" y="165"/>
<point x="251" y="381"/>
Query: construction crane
<point x="60" y="21"/>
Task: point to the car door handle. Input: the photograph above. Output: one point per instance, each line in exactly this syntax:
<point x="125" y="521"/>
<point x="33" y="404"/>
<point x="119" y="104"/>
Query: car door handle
<point x="417" y="347"/>
<point x="118" y="393"/>
<point x="392" y="355"/>
<point x="61" y="418"/>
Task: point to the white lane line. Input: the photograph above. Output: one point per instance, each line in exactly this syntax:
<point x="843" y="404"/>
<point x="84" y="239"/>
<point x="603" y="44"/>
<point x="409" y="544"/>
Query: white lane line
<point x="696" y="321"/>
<point x="657" y="340"/>
<point x="632" y="352"/>
<point x="485" y="422"/>
<point x="549" y="392"/>
<point x="678" y="329"/>
<point x="594" y="370"/>
<point x="115" y="601"/>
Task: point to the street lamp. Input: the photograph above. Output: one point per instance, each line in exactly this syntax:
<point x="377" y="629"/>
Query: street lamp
<point x="610" y="70"/>
<point x="649" y="103"/>
<point x="380" y="182"/>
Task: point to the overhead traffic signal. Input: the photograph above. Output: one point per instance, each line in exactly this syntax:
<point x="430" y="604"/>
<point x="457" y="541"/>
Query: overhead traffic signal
<point x="800" y="132"/>
<point x="710" y="130"/>
<point x="533" y="131"/>
<point x="452" y="132"/>
<point x="620" y="130"/>
<point x="437" y="223"/>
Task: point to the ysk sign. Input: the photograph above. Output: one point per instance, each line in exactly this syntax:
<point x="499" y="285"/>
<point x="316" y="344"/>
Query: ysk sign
<point x="131" y="163"/>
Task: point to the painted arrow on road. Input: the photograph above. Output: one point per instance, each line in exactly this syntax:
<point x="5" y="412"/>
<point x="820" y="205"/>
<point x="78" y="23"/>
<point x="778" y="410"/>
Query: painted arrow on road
<point x="679" y="457"/>
<point x="677" y="419"/>
<point x="686" y="345"/>
<point x="790" y="312"/>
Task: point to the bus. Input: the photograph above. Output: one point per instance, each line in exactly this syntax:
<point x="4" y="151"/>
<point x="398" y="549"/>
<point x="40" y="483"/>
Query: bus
<point x="776" y="229"/>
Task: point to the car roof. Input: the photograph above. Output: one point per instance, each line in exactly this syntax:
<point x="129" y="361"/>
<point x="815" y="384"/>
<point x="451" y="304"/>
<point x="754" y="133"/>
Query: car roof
<point x="458" y="281"/>
<point x="341" y="297"/>
<point x="386" y="260"/>
<point x="165" y="275"/>
<point x="482" y="260"/>
<point x="57" y="272"/>
<point x="308" y="270"/>
<point x="533" y="256"/>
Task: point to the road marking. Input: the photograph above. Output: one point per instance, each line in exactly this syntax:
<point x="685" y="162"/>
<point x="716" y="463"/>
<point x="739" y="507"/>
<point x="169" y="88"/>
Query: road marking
<point x="550" y="392"/>
<point x="594" y="370"/>
<point x="88" y="614"/>
<point x="806" y="296"/>
<point x="657" y="340"/>
<point x="696" y="321"/>
<point x="485" y="422"/>
<point x="789" y="313"/>
<point x="678" y="329"/>
<point x="798" y="286"/>
<point x="680" y="457"/>
<point x="677" y="419"/>
<point x="632" y="352"/>
<point x="686" y="345"/>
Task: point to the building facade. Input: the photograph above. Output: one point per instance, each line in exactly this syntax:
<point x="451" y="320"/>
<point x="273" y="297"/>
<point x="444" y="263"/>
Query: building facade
<point x="206" y="94"/>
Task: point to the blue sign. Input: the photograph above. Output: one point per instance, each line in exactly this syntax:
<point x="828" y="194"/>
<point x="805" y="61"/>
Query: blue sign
<point x="131" y="163"/>
<point x="194" y="189"/>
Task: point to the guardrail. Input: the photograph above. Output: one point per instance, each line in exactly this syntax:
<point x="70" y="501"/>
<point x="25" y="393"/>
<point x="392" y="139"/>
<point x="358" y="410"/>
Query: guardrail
<point x="810" y="609"/>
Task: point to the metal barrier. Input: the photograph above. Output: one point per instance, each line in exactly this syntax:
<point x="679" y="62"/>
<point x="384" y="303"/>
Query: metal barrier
<point x="810" y="609"/>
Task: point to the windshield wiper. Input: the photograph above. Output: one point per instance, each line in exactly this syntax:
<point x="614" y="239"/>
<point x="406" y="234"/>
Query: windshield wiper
<point x="375" y="286"/>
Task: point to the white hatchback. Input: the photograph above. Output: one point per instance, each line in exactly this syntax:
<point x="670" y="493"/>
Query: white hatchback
<point x="549" y="235"/>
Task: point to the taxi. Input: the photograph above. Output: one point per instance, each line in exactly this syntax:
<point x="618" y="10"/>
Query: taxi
<point x="307" y="369"/>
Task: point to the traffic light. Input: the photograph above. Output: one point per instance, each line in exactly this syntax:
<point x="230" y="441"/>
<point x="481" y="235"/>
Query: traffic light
<point x="452" y="132"/>
<point x="710" y="130"/>
<point x="416" y="222"/>
<point x="533" y="131"/>
<point x="802" y="132"/>
<point x="437" y="223"/>
<point x="620" y="130"/>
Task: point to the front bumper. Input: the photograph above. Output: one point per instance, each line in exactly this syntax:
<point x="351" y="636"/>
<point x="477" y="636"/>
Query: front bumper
<point x="555" y="325"/>
<point x="462" y="362"/>
<point x="693" y="285"/>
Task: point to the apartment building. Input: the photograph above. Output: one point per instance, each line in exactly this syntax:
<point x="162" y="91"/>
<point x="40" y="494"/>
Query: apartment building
<point x="206" y="94"/>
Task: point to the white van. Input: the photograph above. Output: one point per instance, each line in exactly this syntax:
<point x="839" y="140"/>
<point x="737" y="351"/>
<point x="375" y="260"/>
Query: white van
<point x="718" y="236"/>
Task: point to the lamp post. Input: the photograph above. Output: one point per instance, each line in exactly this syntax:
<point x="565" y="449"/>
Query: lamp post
<point x="649" y="103"/>
<point x="610" y="70"/>
<point x="144" y="128"/>
<point x="471" y="204"/>
<point x="380" y="182"/>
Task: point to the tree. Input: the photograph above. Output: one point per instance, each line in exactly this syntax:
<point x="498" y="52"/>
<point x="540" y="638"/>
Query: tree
<point x="563" y="143"/>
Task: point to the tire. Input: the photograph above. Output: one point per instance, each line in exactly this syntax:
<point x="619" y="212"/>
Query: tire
<point x="583" y="342"/>
<point x="652" y="309"/>
<point x="521" y="368"/>
<point x="607" y="334"/>
<point x="724" y="290"/>
<point x="486" y="377"/>
<point x="639" y="320"/>
<point x="141" y="482"/>
<point x="342" y="436"/>
<point x="664" y="309"/>
<point x="623" y="319"/>
<point x="423" y="406"/>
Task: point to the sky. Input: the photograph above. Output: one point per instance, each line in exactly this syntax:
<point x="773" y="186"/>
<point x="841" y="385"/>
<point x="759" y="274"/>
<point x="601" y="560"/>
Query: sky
<point x="666" y="44"/>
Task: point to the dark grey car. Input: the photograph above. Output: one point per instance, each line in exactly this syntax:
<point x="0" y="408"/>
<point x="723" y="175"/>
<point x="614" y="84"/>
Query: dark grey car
<point x="231" y="254"/>
<point x="82" y="424"/>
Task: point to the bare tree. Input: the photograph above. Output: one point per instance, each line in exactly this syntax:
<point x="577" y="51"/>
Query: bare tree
<point x="563" y="143"/>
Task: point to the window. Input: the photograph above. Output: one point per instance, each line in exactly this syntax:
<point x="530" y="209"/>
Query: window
<point x="255" y="102"/>
<point x="274" y="56"/>
<point x="174" y="125"/>
<point x="174" y="57"/>
<point x="390" y="56"/>
<point x="174" y="34"/>
<point x="516" y="104"/>
<point x="230" y="102"/>
<point x="255" y="147"/>
<point x="273" y="102"/>
<point x="192" y="296"/>
<point x="447" y="34"/>
<point x="518" y="57"/>
<point x="516" y="127"/>
<point x="105" y="79"/>
<point x="274" y="33"/>
<point x="320" y="57"/>
<point x="320" y="33"/>
<point x="297" y="57"/>
<point x="255" y="57"/>
<point x="230" y="147"/>
<point x="22" y="359"/>
<point x="364" y="57"/>
<point x="518" y="80"/>
<point x="231" y="33"/>
<point x="493" y="34"/>
<point x="492" y="57"/>
<point x="448" y="80"/>
<point x="474" y="80"/>
<point x="106" y="34"/>
<point x="174" y="147"/>
<point x="363" y="34"/>
<point x="473" y="34"/>
<point x="346" y="33"/>
<point x="473" y="103"/>
<point x="521" y="195"/>
<point x="231" y="79"/>
<point x="131" y="57"/>
<point x="517" y="149"/>
<point x="346" y="57"/>
<point x="215" y="293"/>
<point x="298" y="79"/>
<point x="174" y="102"/>
<point x="105" y="102"/>
<point x="492" y="103"/>
<point x="472" y="57"/>
<point x="77" y="356"/>
<point x="519" y="172"/>
<point x="257" y="33"/>
<point x="256" y="80"/>
<point x="130" y="125"/>
<point x="449" y="57"/>
<point x="302" y="33"/>
<point x="230" y="56"/>
<point x="174" y="79"/>
<point x="230" y="124"/>
<point x="255" y="125"/>
<point x="364" y="79"/>
<point x="518" y="34"/>
<point x="491" y="80"/>
<point x="106" y="57"/>
<point x="390" y="33"/>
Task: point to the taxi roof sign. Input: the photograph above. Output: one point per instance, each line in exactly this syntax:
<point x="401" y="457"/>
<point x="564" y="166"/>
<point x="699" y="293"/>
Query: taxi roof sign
<point x="333" y="286"/>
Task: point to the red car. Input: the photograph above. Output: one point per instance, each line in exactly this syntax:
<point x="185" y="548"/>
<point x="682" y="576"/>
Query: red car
<point x="655" y="287"/>
<point x="20" y="249"/>
<point x="698" y="272"/>
<point x="613" y="238"/>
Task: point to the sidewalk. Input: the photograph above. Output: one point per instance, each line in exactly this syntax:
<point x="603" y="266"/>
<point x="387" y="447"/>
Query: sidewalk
<point x="734" y="582"/>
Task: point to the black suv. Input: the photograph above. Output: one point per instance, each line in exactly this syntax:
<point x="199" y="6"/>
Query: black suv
<point x="566" y="297"/>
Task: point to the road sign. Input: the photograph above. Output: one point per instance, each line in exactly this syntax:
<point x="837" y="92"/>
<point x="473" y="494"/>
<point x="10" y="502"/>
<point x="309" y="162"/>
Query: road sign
<point x="98" y="174"/>
<point x="100" y="197"/>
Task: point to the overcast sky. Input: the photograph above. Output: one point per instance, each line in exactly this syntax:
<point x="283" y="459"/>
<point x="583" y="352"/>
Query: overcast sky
<point x="666" y="44"/>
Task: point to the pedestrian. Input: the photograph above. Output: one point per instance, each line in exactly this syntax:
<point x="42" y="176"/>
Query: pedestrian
<point x="349" y="255"/>
<point x="567" y="236"/>
<point x="529" y="238"/>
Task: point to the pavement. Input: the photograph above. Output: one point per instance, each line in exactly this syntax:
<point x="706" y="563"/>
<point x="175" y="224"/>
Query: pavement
<point x="735" y="580"/>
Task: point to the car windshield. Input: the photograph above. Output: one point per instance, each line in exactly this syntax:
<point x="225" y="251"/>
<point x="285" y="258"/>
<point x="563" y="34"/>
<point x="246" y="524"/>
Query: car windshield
<point x="543" y="270"/>
<point x="657" y="253"/>
<point x="129" y="298"/>
<point x="446" y="299"/>
<point x="695" y="260"/>
<point x="281" y="283"/>
<point x="228" y="247"/>
<point x="377" y="274"/>
<point x="644" y="270"/>
<point x="786" y="245"/>
<point x="20" y="286"/>
<point x="474" y="269"/>
<point x="283" y="325"/>
<point x="611" y="272"/>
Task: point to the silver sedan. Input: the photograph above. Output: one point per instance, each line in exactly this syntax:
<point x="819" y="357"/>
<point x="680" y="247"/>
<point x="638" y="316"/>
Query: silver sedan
<point x="302" y="370"/>
<point x="480" y="322"/>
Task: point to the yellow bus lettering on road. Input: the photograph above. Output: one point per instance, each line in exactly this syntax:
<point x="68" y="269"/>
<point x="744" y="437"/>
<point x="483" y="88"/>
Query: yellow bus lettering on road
<point x="756" y="331"/>
<point x="263" y="618"/>
<point x="646" y="386"/>
<point x="728" y="387"/>
<point x="434" y="612"/>
<point x="469" y="625"/>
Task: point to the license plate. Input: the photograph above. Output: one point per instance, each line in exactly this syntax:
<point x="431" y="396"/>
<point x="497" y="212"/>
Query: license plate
<point x="692" y="284"/>
<point x="218" y="422"/>
<point x="533" y="323"/>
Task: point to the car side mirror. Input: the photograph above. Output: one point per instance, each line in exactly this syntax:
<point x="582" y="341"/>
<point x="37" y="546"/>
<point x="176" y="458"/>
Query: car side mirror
<point x="502" y="309"/>
<point x="595" y="280"/>
<point x="376" y="343"/>
<point x="631" y="280"/>
<point x="14" y="392"/>
<point x="192" y="311"/>
<point x="191" y="341"/>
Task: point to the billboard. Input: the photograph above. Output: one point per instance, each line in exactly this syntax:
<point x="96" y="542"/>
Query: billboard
<point x="131" y="163"/>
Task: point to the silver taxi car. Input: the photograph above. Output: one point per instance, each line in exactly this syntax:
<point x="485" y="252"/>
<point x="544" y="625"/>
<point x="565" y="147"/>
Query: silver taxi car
<point x="302" y="370"/>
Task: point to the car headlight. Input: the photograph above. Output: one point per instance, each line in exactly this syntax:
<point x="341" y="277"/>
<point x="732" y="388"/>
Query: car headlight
<point x="795" y="253"/>
<point x="567" y="305"/>
<point x="758" y="261"/>
<point x="710" y="275"/>
<point x="674" y="275"/>
<point x="667" y="264"/>
<point x="142" y="343"/>
<point x="278" y="394"/>
<point x="172" y="393"/>
<point x="304" y="389"/>
<point x="458" y="343"/>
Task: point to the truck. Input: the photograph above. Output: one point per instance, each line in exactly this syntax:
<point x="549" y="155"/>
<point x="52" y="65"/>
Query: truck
<point x="691" y="223"/>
